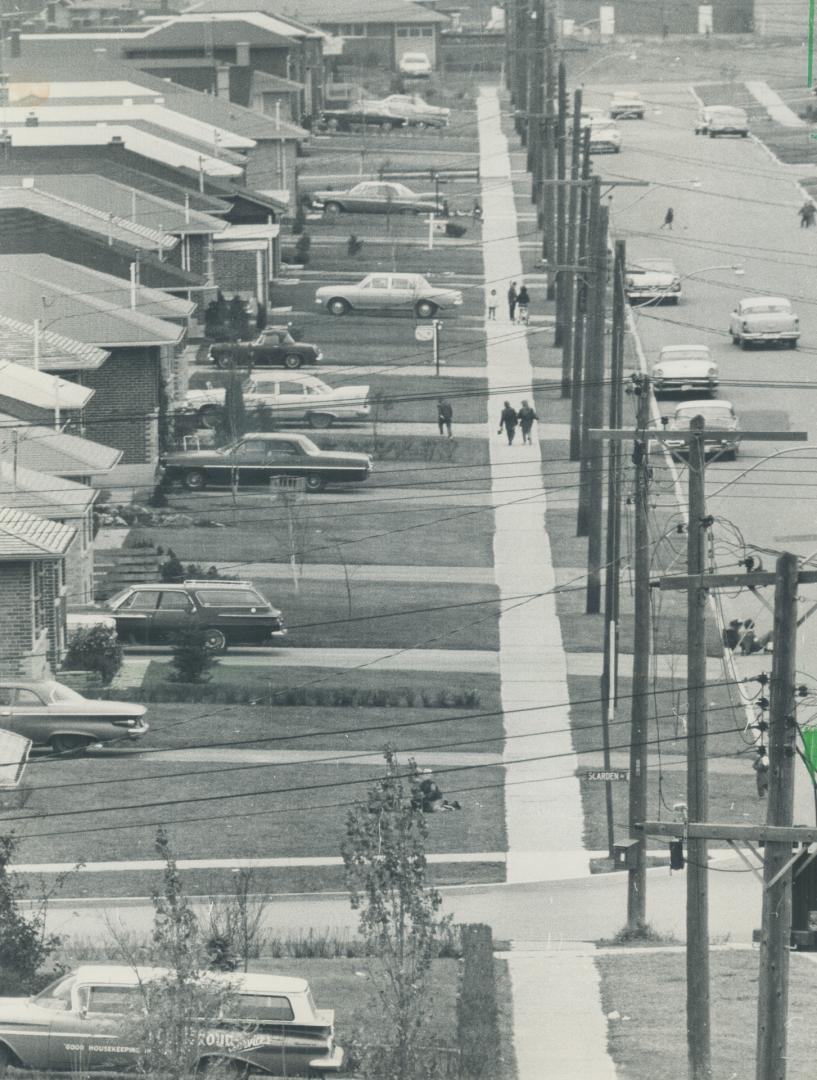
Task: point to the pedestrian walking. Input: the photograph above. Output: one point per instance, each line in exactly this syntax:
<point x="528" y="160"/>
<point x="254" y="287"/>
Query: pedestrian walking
<point x="669" y="217"/>
<point x="512" y="301"/>
<point x="445" y="414"/>
<point x="807" y="214"/>
<point x="526" y="416"/>
<point x="523" y="305"/>
<point x="508" y="420"/>
<point x="477" y="210"/>
<point x="492" y="300"/>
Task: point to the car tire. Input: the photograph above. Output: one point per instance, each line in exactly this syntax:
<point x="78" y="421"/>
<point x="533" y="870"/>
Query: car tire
<point x="194" y="480"/>
<point x="6" y="1059"/>
<point x="209" y="416"/>
<point x="292" y="361"/>
<point x="425" y="309"/>
<point x="792" y="343"/>
<point x="744" y="134"/>
<point x="214" y="640"/>
<point x="314" y="484"/>
<point x="421" y="125"/>
<point x="332" y="209"/>
<point x="337" y="306"/>
<point x="220" y="1069"/>
<point x="69" y="744"/>
<point x="320" y="420"/>
<point x="224" y="362"/>
<point x="711" y="134"/>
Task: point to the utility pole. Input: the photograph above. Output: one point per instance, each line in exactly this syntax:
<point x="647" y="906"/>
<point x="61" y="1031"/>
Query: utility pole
<point x="580" y="285"/>
<point x="612" y="575"/>
<point x="589" y="341"/>
<point x="521" y="63"/>
<point x="773" y="996"/>
<point x="698" y="1018"/>
<point x="549" y="162"/>
<point x="536" y="93"/>
<point x="595" y="409"/>
<point x="568" y="283"/>
<point x="561" y="200"/>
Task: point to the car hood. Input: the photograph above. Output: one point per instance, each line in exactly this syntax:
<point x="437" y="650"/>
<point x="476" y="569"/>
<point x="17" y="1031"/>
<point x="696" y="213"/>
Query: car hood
<point x="211" y="395"/>
<point x="19" y="1010"/>
<point x="675" y="368"/>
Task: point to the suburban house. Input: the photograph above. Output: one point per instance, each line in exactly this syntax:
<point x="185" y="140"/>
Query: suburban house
<point x="32" y="593"/>
<point x="96" y="14"/>
<point x="142" y="330"/>
<point x="62" y="501"/>
<point x="56" y="452"/>
<point x="36" y="397"/>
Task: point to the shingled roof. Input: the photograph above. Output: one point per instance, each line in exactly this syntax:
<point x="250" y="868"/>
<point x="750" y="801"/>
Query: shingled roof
<point x="54" y="452"/>
<point x="25" y="536"/>
<point x="52" y="496"/>
<point x="57" y="352"/>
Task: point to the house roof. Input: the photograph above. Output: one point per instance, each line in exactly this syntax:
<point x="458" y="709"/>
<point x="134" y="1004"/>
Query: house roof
<point x="25" y="536"/>
<point x="212" y="33"/>
<point x="321" y="12"/>
<point x="53" y="496"/>
<point x="54" y="452"/>
<point x="94" y="307"/>
<point x="262" y="80"/>
<point x="43" y="391"/>
<point x="283" y="25"/>
<point x="57" y="352"/>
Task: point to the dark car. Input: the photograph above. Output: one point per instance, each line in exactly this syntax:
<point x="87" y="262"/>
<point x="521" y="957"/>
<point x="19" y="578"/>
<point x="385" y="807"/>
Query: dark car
<point x="274" y="347"/>
<point x="360" y="117"/>
<point x="229" y="613"/>
<point x="259" y="457"/>
<point x="377" y="197"/>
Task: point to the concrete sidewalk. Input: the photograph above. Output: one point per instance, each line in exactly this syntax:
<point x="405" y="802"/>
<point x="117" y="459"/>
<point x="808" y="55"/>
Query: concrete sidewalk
<point x="774" y="105"/>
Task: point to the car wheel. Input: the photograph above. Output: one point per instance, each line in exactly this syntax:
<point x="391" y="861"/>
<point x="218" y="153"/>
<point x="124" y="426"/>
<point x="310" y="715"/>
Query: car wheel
<point x="424" y="309"/>
<point x="69" y="744"/>
<point x="224" y="361"/>
<point x="337" y="306"/>
<point x="744" y="134"/>
<point x="209" y="416"/>
<point x="421" y="125"/>
<point x="194" y="480"/>
<point x="792" y="343"/>
<point x="215" y="640"/>
<point x="292" y="361"/>
<point x="6" y="1060"/>
<point x="332" y="209"/>
<point x="320" y="420"/>
<point x="315" y="483"/>
<point x="711" y="134"/>
<point x="220" y="1069"/>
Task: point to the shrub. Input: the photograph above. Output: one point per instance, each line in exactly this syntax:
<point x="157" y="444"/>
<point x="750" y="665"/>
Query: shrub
<point x="25" y="948"/>
<point x="353" y="245"/>
<point x="302" y="247"/>
<point x="192" y="659"/>
<point x="96" y="649"/>
<point x="171" y="569"/>
<point x="157" y="498"/>
<point x="299" y="221"/>
<point x="477" y="1013"/>
<point x="453" y="229"/>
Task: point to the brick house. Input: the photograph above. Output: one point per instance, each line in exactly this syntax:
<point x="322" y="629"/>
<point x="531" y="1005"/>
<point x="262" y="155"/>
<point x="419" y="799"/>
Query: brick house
<point x="37" y="397"/>
<point x="32" y="593"/>
<point x="57" y="453"/>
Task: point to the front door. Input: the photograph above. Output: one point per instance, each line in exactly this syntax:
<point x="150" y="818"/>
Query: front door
<point x="283" y="459"/>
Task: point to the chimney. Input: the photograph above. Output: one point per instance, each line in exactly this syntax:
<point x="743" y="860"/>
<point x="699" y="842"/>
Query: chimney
<point x="223" y="81"/>
<point x="242" y="53"/>
<point x="14" y="39"/>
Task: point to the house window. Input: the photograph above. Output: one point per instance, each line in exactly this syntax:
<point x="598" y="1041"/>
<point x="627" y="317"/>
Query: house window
<point x="402" y="32"/>
<point x="426" y="31"/>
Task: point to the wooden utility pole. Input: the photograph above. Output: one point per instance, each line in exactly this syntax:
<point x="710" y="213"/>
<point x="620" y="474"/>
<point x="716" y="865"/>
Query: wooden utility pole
<point x="577" y="359"/>
<point x="590" y="392"/>
<point x="773" y="998"/>
<point x="535" y="44"/>
<point x="568" y="282"/>
<point x="595" y="412"/>
<point x="698" y="1018"/>
<point x="522" y="61"/>
<point x="561" y="203"/>
<point x="549" y="155"/>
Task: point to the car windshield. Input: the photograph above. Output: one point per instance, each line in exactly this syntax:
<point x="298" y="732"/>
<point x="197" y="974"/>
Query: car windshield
<point x="64" y="695"/>
<point x="57" y="995"/>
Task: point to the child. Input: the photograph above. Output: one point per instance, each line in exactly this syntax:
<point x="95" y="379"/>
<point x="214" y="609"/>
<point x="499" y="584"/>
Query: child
<point x="492" y="300"/>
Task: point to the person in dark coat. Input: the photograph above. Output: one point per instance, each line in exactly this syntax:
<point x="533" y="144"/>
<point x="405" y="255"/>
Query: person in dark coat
<point x="508" y="420"/>
<point x="669" y="217"/>
<point x="527" y="416"/>
<point x="523" y="304"/>
<point x="807" y="214"/>
<point x="445" y="414"/>
<point x="513" y="299"/>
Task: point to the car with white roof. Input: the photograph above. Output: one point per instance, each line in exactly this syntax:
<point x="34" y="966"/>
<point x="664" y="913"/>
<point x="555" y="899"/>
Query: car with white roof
<point x="682" y="368"/>
<point x="604" y="137"/>
<point x="416" y="65"/>
<point x="715" y="120"/>
<point x="416" y="110"/>
<point x="86" y="1021"/>
<point x="627" y="105"/>
<point x="719" y="415"/>
<point x="653" y="279"/>
<point x="762" y="320"/>
<point x="376" y="197"/>
<point x="382" y="292"/>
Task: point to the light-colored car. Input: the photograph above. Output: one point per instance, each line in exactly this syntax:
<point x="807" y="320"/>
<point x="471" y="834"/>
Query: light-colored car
<point x="604" y="137"/>
<point x="83" y="1021"/>
<point x="376" y="197"/>
<point x="719" y="415"/>
<point x="415" y="64"/>
<point x="653" y="279"/>
<point x="290" y="397"/>
<point x="388" y="292"/>
<point x="626" y="105"/>
<point x="762" y="320"/>
<point x="51" y="714"/>
<point x="417" y="110"/>
<point x="682" y="368"/>
<point x="717" y="120"/>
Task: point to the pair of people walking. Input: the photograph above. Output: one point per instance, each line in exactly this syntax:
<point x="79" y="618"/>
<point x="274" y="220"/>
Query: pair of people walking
<point x="511" y="418"/>
<point x="518" y="303"/>
<point x="808" y="212"/>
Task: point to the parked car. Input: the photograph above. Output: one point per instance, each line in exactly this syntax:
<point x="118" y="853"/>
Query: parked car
<point x="627" y="105"/>
<point x="83" y="1022"/>
<point x="604" y="136"/>
<point x="764" y="319"/>
<point x="415" y="64"/>
<point x="51" y="714"/>
<point x="719" y="415"/>
<point x="388" y="292"/>
<point x="260" y="456"/>
<point x="681" y="368"/>
<point x="229" y="613"/>
<point x="377" y="197"/>
<point x="294" y="397"/>
<point x="274" y="347"/>
<point x="357" y="116"/>
<point x="417" y="110"/>
<point x="717" y="120"/>
<point x="653" y="279"/>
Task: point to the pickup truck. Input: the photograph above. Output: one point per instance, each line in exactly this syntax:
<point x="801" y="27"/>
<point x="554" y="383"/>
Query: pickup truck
<point x="274" y="347"/>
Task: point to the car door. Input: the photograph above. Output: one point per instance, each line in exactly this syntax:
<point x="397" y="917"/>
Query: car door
<point x="134" y="616"/>
<point x="173" y="616"/>
<point x="30" y="715"/>
<point x="374" y="292"/>
<point x="94" y="1034"/>
<point x="268" y="351"/>
<point x="6" y="701"/>
<point x="248" y="459"/>
<point x="292" y="400"/>
<point x="402" y="291"/>
<point x="283" y="459"/>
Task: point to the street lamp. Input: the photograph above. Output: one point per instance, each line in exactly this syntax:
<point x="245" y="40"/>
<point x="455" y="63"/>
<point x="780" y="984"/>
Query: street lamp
<point x="757" y="464"/>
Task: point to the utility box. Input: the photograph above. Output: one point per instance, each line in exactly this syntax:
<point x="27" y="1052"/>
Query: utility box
<point x="625" y="856"/>
<point x="804" y="904"/>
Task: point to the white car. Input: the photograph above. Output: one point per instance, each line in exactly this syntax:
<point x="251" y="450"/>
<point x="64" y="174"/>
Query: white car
<point x="415" y="64"/>
<point x="627" y="106"/>
<point x="604" y="136"/>
<point x="722" y="120"/>
<point x="762" y="319"/>
<point x="417" y="110"/>
<point x="388" y="293"/>
<point x="681" y="368"/>
<point x="653" y="279"/>
<point x="290" y="397"/>
<point x="719" y="415"/>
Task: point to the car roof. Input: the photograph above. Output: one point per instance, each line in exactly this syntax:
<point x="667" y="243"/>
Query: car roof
<point x="627" y="94"/>
<point x="272" y="436"/>
<point x="765" y="300"/>
<point x="653" y="264"/>
<point x="182" y="586"/>
<point x="709" y="405"/>
<point x="251" y="982"/>
<point x="724" y="109"/>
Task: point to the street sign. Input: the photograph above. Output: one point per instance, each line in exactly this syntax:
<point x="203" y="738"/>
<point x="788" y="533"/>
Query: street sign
<point x="424" y="333"/>
<point x="607" y="775"/>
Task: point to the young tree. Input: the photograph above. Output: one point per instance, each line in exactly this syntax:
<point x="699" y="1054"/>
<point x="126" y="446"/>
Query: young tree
<point x="25" y="947"/>
<point x="234" y="416"/>
<point x="386" y="873"/>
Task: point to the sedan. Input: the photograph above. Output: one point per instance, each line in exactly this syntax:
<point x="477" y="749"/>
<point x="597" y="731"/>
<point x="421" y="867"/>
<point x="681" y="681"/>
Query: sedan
<point x="653" y="279"/>
<point x="416" y="65"/>
<point x="681" y="368"/>
<point x="627" y="106"/>
<point x="260" y="457"/>
<point x="388" y="292"/>
<point x="356" y="116"/>
<point x="417" y="110"/>
<point x="51" y="714"/>
<point x="761" y="320"/>
<point x="604" y="136"/>
<point x="273" y="347"/>
<point x="718" y="416"/>
<point x="376" y="197"/>
<point x="298" y="397"/>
